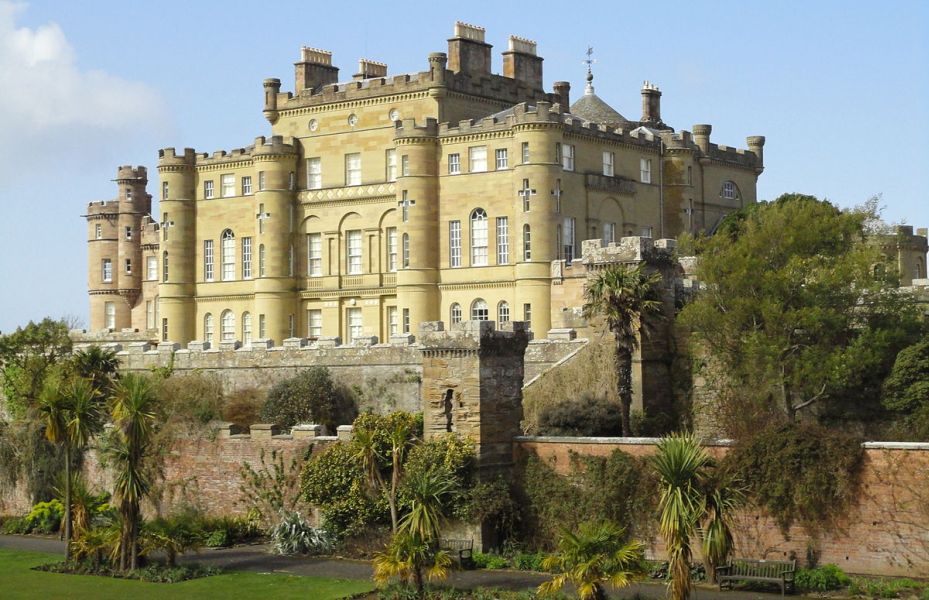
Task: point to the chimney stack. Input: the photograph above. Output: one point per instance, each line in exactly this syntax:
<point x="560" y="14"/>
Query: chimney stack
<point x="467" y="51"/>
<point x="651" y="103"/>
<point x="563" y="92"/>
<point x="520" y="62"/>
<point x="314" y="70"/>
<point x="368" y="69"/>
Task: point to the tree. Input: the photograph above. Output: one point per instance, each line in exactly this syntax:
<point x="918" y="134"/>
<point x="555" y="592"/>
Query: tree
<point x="798" y="311"/>
<point x="624" y="296"/>
<point x="906" y="389"/>
<point x="597" y="554"/>
<point x="134" y="416"/>
<point x="99" y="366"/>
<point x="70" y="414"/>
<point x="308" y="397"/>
<point x="26" y="355"/>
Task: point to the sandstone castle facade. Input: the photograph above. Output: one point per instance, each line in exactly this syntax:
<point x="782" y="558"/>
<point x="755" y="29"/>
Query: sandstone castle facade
<point x="382" y="202"/>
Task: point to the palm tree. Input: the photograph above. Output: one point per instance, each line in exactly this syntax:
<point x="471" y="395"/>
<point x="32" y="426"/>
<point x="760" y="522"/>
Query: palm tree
<point x="723" y="498"/>
<point x="681" y="463"/>
<point x="70" y="415"/>
<point x="369" y="443"/>
<point x="596" y="555"/>
<point x="98" y="365"/>
<point x="134" y="417"/>
<point x="624" y="296"/>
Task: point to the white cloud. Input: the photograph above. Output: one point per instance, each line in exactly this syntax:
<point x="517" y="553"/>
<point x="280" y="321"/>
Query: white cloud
<point x="47" y="98"/>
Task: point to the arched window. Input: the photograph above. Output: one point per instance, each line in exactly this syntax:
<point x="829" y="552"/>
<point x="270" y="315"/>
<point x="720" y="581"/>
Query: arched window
<point x="479" y="310"/>
<point x="729" y="191"/>
<point x="406" y="250"/>
<point x="227" y="326"/>
<point x="503" y="312"/>
<point x="527" y="243"/>
<point x="208" y="328"/>
<point x="456" y="313"/>
<point x="164" y="266"/>
<point x="478" y="238"/>
<point x="246" y="328"/>
<point x="228" y="250"/>
<point x="261" y="260"/>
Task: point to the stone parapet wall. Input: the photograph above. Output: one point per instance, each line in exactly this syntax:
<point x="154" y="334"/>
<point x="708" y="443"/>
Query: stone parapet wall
<point x="886" y="531"/>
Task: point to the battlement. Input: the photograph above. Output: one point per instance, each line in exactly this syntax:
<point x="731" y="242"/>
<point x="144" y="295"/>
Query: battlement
<point x="275" y="145"/>
<point x="407" y="128"/>
<point x="128" y="173"/>
<point x="102" y="207"/>
<point x="472" y="335"/>
<point x="627" y="250"/>
<point x="169" y="157"/>
<point x="223" y="157"/>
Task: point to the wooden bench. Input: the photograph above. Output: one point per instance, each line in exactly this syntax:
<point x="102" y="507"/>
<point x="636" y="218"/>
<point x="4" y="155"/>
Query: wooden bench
<point x="780" y="572"/>
<point x="462" y="551"/>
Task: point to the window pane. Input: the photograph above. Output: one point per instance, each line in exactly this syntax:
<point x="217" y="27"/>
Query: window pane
<point x="354" y="252"/>
<point x="478" y="238"/>
<point x="246" y="258"/>
<point x="502" y="159"/>
<point x="454" y="243"/>
<point x="314" y="264"/>
<point x="503" y="241"/>
<point x="391" y="249"/>
<point x="228" y="185"/>
<point x="479" y="311"/>
<point x="314" y="174"/>
<point x="478" y="156"/>
<point x="228" y="249"/>
<point x="353" y="169"/>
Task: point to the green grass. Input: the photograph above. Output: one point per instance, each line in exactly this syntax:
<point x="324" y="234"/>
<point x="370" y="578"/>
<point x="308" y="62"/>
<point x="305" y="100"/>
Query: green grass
<point x="19" y="581"/>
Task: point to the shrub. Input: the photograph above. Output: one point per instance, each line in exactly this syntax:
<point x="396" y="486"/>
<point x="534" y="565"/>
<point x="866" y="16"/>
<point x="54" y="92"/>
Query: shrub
<point x="821" y="579"/>
<point x="15" y="526"/>
<point x="588" y="415"/>
<point x="294" y="535"/>
<point x="219" y="532"/>
<point x="528" y="561"/>
<point x="308" y="397"/>
<point x="489" y="561"/>
<point x="242" y="407"/>
<point x="492" y="504"/>
<point x="888" y="588"/>
<point x="45" y="517"/>
<point x="191" y="400"/>
<point x="271" y="486"/>
<point x="799" y="472"/>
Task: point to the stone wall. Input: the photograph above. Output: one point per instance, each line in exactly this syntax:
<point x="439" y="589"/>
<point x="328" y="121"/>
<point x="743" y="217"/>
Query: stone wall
<point x="886" y="532"/>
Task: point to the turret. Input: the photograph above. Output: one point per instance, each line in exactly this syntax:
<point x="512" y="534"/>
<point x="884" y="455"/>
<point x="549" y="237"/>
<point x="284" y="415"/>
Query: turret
<point x="756" y="145"/>
<point x="272" y="88"/>
<point x="702" y="137"/>
<point x="437" y="63"/>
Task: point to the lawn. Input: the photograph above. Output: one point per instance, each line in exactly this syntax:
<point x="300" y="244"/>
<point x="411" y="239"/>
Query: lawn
<point x="18" y="580"/>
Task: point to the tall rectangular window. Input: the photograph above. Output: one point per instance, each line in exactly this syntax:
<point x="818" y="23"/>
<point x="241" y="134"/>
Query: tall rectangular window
<point x="392" y="321"/>
<point x="149" y="314"/>
<point x="227" y="182"/>
<point x="391" y="249"/>
<point x="314" y="173"/>
<point x="406" y="320"/>
<point x="107" y="269"/>
<point x="164" y="330"/>
<point x="454" y="163"/>
<point x="262" y="327"/>
<point x="228" y="257"/>
<point x="405" y="242"/>
<point x="355" y="327"/>
<point x="246" y="258"/>
<point x="164" y="267"/>
<point x="109" y="315"/>
<point x="609" y="232"/>
<point x="503" y="240"/>
<point x="353" y="169"/>
<point x="291" y="183"/>
<point x="690" y="175"/>
<point x="291" y="326"/>
<point x="525" y="152"/>
<point x="404" y="165"/>
<point x="128" y="266"/>
<point x="164" y="190"/>
<point x="568" y="157"/>
<point x="502" y="160"/>
<point x="479" y="238"/>
<point x="208" y="260"/>
<point x="208" y="189"/>
<point x="261" y="260"/>
<point x="353" y="252"/>
<point x="247" y="185"/>
<point x="151" y="269"/>
<point x="527" y="315"/>
<point x="558" y="155"/>
<point x="454" y="243"/>
<point x="314" y="323"/>
<point x="261" y="181"/>
<point x="314" y="255"/>
<point x="98" y="231"/>
<point x="477" y="158"/>
<point x="569" y="239"/>
<point x="391" y="161"/>
<point x="645" y="170"/>
<point x="608" y="158"/>
<point x="128" y="233"/>
<point x="527" y="243"/>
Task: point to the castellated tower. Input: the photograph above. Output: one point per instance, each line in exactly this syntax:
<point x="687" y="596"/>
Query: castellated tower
<point x="114" y="267"/>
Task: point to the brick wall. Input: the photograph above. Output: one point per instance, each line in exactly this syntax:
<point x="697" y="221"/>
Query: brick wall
<point x="886" y="532"/>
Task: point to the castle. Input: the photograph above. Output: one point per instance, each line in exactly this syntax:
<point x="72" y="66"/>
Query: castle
<point x="386" y="201"/>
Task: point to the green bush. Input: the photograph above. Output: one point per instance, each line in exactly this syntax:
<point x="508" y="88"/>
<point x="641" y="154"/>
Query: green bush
<point x="191" y="399"/>
<point x="242" y="407"/>
<point x="889" y="588"/>
<point x="490" y="561"/>
<point x="528" y="561"/>
<point x="308" y="397"/>
<point x="821" y="579"/>
<point x="294" y="535"/>
<point x="219" y="532"/>
<point x="15" y="526"/>
<point x="45" y="517"/>
<point x="588" y="415"/>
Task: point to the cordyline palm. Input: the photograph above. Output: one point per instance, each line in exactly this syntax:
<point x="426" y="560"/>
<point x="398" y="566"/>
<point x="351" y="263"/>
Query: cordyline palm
<point x="99" y="366"/>
<point x="722" y="500"/>
<point x="681" y="464"/>
<point x="69" y="411"/>
<point x="367" y="442"/>
<point x="134" y="418"/>
<point x="624" y="296"/>
<point x="597" y="554"/>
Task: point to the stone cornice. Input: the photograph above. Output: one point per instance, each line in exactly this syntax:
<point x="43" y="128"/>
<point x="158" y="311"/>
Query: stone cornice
<point x="347" y="104"/>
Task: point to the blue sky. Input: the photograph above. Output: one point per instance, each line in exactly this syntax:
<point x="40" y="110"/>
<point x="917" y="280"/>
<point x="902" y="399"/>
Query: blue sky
<point x="840" y="89"/>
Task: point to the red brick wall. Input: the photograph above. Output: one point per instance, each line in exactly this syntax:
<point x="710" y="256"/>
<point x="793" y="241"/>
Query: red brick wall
<point x="886" y="532"/>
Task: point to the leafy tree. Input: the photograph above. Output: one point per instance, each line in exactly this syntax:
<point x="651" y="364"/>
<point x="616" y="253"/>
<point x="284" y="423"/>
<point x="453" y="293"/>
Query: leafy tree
<point x="308" y="397"/>
<point x="597" y="554"/>
<point x="906" y="389"/>
<point x="624" y="296"/>
<point x="69" y="411"/>
<point x="26" y="355"/>
<point x="798" y="311"/>
<point x="173" y="536"/>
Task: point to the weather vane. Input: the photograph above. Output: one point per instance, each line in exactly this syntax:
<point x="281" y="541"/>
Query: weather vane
<point x="590" y="60"/>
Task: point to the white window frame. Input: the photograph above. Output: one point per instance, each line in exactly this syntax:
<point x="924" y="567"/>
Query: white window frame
<point x="262" y="180"/>
<point x="353" y="168"/>
<point x="501" y="159"/>
<point x="454" y="244"/>
<point x="479" y="238"/>
<point x="570" y="230"/>
<point x="454" y="163"/>
<point x="525" y="152"/>
<point x="503" y="312"/>
<point x="246" y="329"/>
<point x="406" y="319"/>
<point x="479" y="310"/>
<point x="247" y="185"/>
<point x="164" y="190"/>
<point x="127" y="232"/>
<point x="314" y="255"/>
<point x="645" y="170"/>
<point x="503" y="240"/>
<point x="262" y="259"/>
<point x="527" y="242"/>
<point x="392" y="249"/>
<point x="527" y="314"/>
<point x="106" y="268"/>
<point x="227" y="185"/>
<point x="314" y="323"/>
<point x="208" y="189"/>
<point x="164" y="266"/>
<point x="208" y="328"/>
<point x="454" y="313"/>
<point x="98" y="231"/>
<point x="609" y="163"/>
<point x="246" y="258"/>
<point x="609" y="233"/>
<point x="404" y="165"/>
<point x="405" y="242"/>
<point x="567" y="157"/>
<point x="227" y="326"/>
<point x="128" y="266"/>
<point x="353" y="250"/>
<point x="729" y="191"/>
<point x="477" y="159"/>
<point x="262" y="327"/>
<point x="393" y="325"/>
<point x="149" y="314"/>
<point x="151" y="266"/>
<point x="390" y="160"/>
<point x="314" y="173"/>
<point x="354" y="320"/>
<point x="109" y="315"/>
<point x="228" y="255"/>
<point x="208" y="260"/>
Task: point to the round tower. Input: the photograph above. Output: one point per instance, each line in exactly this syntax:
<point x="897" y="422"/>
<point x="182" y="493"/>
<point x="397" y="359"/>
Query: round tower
<point x="177" y="249"/>
<point x="275" y="299"/>
<point x="418" y="222"/>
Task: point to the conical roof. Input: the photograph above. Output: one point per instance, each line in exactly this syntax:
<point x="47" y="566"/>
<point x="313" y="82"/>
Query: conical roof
<point x="591" y="107"/>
